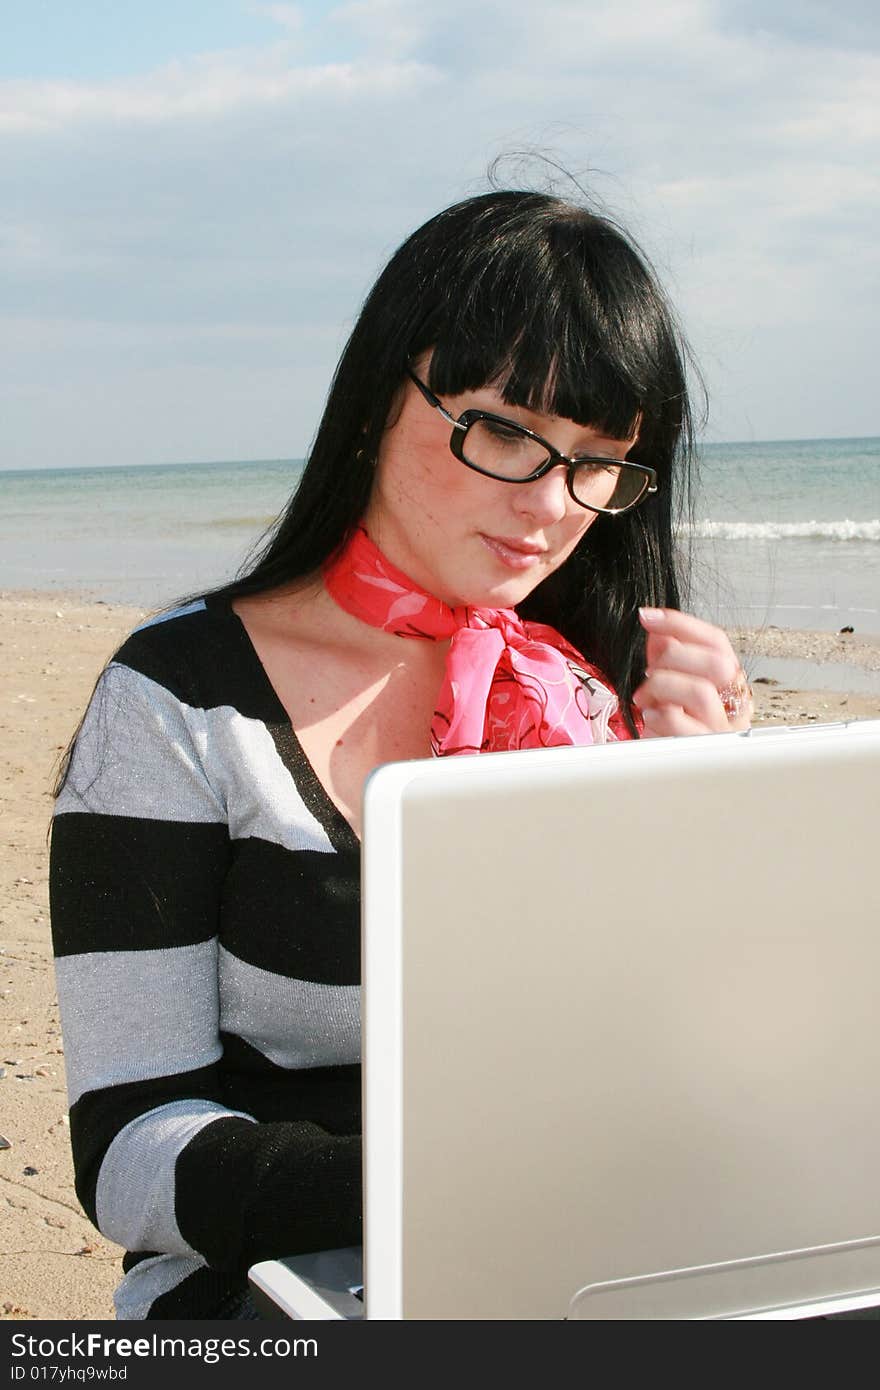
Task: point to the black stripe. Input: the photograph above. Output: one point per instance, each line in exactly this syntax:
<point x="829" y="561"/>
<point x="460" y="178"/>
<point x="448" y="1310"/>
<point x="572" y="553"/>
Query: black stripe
<point x="296" y="1189"/>
<point x="206" y="660"/>
<point x="121" y="884"/>
<point x="297" y="914"/>
<point x="98" y="1116"/>
<point x="132" y="1258"/>
<point x="331" y="1096"/>
<point x="200" y="1295"/>
<point x="312" y="790"/>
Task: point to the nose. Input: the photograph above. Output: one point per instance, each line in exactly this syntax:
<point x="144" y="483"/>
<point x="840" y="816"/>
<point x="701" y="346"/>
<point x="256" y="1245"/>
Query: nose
<point x="546" y="500"/>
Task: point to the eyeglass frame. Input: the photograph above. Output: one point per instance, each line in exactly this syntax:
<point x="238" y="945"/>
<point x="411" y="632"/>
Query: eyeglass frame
<point x="555" y="457"/>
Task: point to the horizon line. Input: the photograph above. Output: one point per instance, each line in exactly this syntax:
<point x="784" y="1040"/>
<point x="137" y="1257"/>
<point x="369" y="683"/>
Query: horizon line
<point x="282" y="458"/>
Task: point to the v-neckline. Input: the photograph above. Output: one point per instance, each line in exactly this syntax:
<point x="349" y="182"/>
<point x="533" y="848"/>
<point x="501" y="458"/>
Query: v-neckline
<point x="318" y="800"/>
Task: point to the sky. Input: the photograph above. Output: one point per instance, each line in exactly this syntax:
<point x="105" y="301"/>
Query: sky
<point x="197" y="195"/>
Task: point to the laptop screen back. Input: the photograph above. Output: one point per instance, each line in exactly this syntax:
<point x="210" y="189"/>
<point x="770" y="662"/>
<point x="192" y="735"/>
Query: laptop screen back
<point x="621" y="1021"/>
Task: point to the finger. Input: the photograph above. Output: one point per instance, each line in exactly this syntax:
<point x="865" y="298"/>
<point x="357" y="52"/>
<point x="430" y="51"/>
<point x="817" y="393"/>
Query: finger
<point x="697" y="697"/>
<point x="717" y="666"/>
<point x="671" y="721"/>
<point x="669" y="622"/>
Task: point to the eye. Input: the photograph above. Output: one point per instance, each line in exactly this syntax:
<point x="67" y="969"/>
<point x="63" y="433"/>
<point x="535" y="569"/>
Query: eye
<point x="598" y="466"/>
<point x="503" y="430"/>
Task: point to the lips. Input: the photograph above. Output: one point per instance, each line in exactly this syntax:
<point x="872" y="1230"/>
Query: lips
<point x="523" y="547"/>
<point x="514" y="553"/>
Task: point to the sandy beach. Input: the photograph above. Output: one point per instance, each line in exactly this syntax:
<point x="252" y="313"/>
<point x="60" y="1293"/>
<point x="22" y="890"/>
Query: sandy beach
<point x="53" y="1264"/>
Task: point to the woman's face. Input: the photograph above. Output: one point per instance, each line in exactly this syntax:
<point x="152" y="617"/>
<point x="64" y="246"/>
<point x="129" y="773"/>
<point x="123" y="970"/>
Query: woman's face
<point x="463" y="537"/>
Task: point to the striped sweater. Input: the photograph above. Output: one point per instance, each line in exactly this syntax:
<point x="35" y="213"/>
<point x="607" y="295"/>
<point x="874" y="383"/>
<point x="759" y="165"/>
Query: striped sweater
<point x="206" y="923"/>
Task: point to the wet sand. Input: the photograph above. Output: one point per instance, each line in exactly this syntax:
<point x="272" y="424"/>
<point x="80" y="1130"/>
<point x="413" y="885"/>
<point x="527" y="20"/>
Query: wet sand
<point x="53" y="1264"/>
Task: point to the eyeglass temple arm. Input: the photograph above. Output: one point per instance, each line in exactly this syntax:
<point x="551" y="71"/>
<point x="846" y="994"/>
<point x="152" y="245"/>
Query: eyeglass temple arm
<point x="433" y="401"/>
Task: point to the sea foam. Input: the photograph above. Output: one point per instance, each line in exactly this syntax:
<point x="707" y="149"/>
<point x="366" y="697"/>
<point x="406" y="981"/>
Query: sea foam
<point x="786" y="530"/>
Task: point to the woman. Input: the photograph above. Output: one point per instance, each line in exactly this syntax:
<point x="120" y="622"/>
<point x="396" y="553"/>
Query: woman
<point x="507" y="428"/>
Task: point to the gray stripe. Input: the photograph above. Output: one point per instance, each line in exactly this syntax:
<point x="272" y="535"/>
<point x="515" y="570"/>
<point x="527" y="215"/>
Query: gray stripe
<point x="136" y="1190"/>
<point x="260" y="795"/>
<point x="149" y="1280"/>
<point x="294" y="1023"/>
<point x="138" y="754"/>
<point x="131" y="1015"/>
<point x="142" y="753"/>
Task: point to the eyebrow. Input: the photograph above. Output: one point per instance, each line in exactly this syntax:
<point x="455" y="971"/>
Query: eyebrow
<point x="589" y="452"/>
<point x="630" y="441"/>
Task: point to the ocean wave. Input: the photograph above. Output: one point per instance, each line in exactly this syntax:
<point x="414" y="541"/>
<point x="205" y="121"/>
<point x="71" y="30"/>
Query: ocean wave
<point x="786" y="530"/>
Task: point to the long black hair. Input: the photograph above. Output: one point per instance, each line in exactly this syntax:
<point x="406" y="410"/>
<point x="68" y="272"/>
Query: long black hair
<point x="557" y="308"/>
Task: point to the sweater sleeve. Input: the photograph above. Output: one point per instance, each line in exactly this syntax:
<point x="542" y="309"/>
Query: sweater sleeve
<point x="140" y="853"/>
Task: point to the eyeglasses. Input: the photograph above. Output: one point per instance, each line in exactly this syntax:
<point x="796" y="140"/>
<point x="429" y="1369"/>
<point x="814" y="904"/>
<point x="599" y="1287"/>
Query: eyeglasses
<point x="502" y="449"/>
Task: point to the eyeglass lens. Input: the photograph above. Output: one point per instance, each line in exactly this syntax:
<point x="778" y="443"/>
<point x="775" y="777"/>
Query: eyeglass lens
<point x="501" y="450"/>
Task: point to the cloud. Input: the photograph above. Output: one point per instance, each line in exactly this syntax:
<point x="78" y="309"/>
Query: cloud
<point x="206" y="89"/>
<point x="848" y="24"/>
<point x="289" y="17"/>
<point x="229" y="212"/>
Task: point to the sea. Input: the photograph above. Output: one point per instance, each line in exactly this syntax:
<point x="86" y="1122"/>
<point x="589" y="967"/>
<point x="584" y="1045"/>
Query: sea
<point x="785" y="533"/>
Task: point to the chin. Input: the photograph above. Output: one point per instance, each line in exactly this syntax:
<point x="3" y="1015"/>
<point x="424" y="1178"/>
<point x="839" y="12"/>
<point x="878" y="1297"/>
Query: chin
<point x="506" y="594"/>
<point x="481" y="586"/>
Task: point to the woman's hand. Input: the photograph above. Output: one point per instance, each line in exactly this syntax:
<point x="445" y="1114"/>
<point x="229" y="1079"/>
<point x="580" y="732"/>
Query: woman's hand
<point x="693" y="683"/>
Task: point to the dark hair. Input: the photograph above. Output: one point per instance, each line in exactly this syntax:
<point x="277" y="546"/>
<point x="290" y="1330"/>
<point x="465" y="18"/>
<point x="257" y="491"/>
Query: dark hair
<point x="557" y="308"/>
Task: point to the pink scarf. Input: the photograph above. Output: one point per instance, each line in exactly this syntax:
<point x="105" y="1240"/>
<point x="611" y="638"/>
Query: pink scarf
<point x="508" y="683"/>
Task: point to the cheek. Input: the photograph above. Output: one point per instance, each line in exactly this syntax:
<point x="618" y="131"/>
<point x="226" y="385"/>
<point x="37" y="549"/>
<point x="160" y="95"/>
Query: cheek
<point x="400" y="481"/>
<point x="415" y="495"/>
<point x="578" y="526"/>
<point x="438" y="489"/>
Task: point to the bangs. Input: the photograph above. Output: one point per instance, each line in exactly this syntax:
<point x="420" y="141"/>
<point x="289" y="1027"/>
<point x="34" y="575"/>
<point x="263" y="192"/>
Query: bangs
<point x="534" y="372"/>
<point x="568" y="323"/>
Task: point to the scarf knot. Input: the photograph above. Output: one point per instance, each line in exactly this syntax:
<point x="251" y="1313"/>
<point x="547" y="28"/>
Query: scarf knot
<point x="508" y="683"/>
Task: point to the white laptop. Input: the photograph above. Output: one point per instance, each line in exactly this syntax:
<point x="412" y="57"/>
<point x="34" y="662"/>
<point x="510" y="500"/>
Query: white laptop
<point x="621" y="1042"/>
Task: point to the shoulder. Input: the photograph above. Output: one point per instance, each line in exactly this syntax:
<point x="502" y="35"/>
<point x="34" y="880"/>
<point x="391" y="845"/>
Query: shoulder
<point x="201" y="655"/>
<point x="159" y="720"/>
<point x="171" y="642"/>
